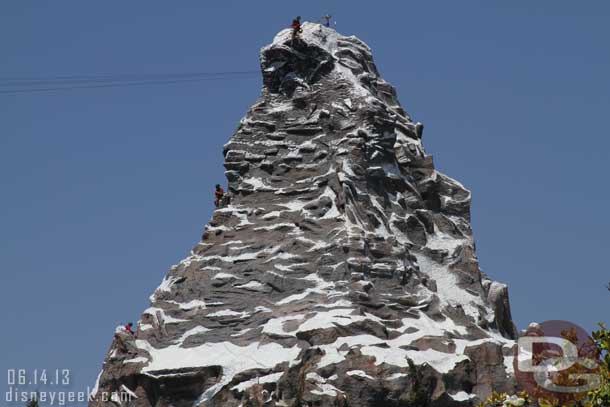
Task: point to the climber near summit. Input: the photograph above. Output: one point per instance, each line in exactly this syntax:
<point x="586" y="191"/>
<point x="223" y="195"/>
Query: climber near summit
<point x="327" y="18"/>
<point x="296" y="28"/>
<point x="219" y="194"/>
<point x="128" y="327"/>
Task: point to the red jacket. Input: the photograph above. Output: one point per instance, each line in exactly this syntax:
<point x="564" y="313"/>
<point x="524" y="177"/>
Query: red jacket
<point x="219" y="193"/>
<point x="128" y="328"/>
<point x="296" y="25"/>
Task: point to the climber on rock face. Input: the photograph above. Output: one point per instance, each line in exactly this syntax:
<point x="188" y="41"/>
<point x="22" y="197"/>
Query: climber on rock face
<point x="327" y="20"/>
<point x="218" y="195"/>
<point x="124" y="339"/>
<point x="296" y="28"/>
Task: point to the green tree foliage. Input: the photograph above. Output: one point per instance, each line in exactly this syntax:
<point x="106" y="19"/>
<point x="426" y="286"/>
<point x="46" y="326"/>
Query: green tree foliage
<point x="504" y="400"/>
<point x="601" y="396"/>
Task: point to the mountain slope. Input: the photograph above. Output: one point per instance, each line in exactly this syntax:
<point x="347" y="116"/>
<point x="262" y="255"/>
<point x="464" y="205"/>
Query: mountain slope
<point x="342" y="273"/>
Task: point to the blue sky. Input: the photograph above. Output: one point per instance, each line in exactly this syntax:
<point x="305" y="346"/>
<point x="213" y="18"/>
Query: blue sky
<point x="104" y="189"/>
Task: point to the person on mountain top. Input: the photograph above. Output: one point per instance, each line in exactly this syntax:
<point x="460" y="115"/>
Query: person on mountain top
<point x="128" y="327"/>
<point x="218" y="195"/>
<point x="327" y="20"/>
<point x="296" y="28"/>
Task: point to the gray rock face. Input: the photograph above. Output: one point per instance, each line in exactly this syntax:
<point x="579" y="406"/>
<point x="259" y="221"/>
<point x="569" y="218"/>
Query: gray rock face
<point x="342" y="273"/>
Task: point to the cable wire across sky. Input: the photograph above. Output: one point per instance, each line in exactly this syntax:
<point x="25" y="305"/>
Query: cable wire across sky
<point x="18" y="85"/>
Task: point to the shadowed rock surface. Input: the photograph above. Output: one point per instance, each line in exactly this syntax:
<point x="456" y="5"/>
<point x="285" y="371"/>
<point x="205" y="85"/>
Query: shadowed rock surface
<point x="343" y="273"/>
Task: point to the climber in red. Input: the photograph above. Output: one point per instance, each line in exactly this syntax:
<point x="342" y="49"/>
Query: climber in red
<point x="128" y="328"/>
<point x="219" y="193"/>
<point x="296" y="28"/>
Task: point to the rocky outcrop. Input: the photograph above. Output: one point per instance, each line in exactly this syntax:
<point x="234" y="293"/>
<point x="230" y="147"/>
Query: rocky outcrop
<point x="342" y="273"/>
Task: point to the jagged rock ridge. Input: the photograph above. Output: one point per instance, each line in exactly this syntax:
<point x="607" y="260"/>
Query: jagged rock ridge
<point x="343" y="273"/>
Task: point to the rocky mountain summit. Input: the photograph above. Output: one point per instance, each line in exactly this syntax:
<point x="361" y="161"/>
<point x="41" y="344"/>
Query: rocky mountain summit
<point x="342" y="273"/>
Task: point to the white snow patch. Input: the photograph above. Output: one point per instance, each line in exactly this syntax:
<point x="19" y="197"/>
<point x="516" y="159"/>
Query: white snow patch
<point x="258" y="184"/>
<point x="270" y="378"/>
<point x="195" y="331"/>
<point x="165" y="286"/>
<point x="509" y="364"/>
<point x="228" y="313"/>
<point x="322" y="287"/>
<point x="294" y="205"/>
<point x="276" y="325"/>
<point x="275" y="226"/>
<point x="326" y="389"/>
<point x="243" y="331"/>
<point x="462" y="396"/>
<point x="360" y="373"/>
<point x="448" y="291"/>
<point x="232" y="259"/>
<point x="395" y="354"/>
<point x="282" y="256"/>
<point x="396" y="376"/>
<point x="232" y="358"/>
<point x="443" y="241"/>
<point x="225" y="276"/>
<point x="271" y="215"/>
<point x="193" y="304"/>
<point x="139" y="359"/>
<point x="231" y="243"/>
<point x="165" y="319"/>
<point x="252" y="286"/>
<point x="336" y="304"/>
